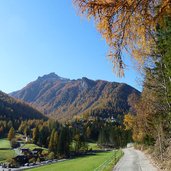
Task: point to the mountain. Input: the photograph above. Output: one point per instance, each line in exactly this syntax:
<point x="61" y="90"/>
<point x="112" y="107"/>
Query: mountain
<point x="63" y="98"/>
<point x="11" y="108"/>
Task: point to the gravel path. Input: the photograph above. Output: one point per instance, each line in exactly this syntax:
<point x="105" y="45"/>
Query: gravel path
<point x="134" y="160"/>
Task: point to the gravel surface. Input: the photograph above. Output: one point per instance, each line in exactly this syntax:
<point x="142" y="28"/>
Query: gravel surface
<point x="134" y="160"/>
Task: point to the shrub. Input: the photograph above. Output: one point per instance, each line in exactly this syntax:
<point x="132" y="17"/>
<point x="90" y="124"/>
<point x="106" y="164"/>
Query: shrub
<point x="12" y="163"/>
<point x="14" y="143"/>
<point x="32" y="160"/>
<point x="51" y="156"/>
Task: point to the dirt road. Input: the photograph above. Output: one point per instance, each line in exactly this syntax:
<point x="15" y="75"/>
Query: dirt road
<point x="134" y="160"/>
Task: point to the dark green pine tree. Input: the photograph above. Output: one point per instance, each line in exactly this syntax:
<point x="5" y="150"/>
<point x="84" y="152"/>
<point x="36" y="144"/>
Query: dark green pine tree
<point x="35" y="135"/>
<point x="44" y="133"/>
<point x="64" y="142"/>
<point x="101" y="138"/>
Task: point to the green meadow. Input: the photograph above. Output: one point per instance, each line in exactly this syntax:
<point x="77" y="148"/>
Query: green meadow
<point x="5" y="150"/>
<point x="4" y="143"/>
<point x="99" y="162"/>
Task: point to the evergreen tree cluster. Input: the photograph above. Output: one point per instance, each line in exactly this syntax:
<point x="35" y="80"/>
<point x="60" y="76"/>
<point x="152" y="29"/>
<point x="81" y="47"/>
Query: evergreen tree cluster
<point x="64" y="140"/>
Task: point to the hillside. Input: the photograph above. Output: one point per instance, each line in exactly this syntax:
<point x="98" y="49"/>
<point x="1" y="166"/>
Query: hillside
<point x="64" y="98"/>
<point x="11" y="108"/>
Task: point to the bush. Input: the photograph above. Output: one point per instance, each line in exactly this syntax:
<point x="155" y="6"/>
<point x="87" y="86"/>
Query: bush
<point x="45" y="153"/>
<point x="38" y="160"/>
<point x="32" y="160"/>
<point x="51" y="156"/>
<point x="12" y="163"/>
<point x="14" y="143"/>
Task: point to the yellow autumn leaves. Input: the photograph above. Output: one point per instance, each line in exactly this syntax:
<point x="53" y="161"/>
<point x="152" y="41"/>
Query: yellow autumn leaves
<point x="128" y="25"/>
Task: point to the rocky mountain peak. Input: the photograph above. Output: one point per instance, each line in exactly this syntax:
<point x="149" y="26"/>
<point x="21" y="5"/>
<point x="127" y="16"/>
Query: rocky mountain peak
<point x="51" y="76"/>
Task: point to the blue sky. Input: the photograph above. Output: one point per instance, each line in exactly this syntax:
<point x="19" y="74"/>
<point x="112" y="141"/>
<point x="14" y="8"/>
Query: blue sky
<point x="42" y="36"/>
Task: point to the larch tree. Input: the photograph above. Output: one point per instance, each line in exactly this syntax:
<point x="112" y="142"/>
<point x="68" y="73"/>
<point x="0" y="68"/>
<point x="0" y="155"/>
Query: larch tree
<point x="51" y="141"/>
<point x="35" y="135"/>
<point x="55" y="141"/>
<point x="11" y="134"/>
<point x="129" y="120"/>
<point x="127" y="25"/>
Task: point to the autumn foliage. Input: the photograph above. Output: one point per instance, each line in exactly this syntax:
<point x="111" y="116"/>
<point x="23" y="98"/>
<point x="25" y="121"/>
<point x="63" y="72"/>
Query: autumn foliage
<point x="128" y="25"/>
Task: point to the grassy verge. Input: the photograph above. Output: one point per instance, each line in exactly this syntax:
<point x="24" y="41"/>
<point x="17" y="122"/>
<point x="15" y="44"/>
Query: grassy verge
<point x="112" y="162"/>
<point x="97" y="162"/>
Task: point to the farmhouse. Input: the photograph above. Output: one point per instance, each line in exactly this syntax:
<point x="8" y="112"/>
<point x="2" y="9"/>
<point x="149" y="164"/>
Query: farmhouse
<point x="21" y="159"/>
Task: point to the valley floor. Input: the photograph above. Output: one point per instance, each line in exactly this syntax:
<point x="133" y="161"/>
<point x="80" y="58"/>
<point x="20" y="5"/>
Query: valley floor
<point x="100" y="161"/>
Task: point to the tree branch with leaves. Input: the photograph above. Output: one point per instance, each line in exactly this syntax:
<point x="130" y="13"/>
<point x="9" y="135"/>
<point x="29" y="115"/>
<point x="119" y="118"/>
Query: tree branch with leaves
<point x="126" y="25"/>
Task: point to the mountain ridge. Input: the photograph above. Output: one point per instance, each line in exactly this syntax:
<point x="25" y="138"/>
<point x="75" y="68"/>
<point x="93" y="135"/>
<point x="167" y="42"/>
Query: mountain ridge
<point x="11" y="108"/>
<point x="64" y="98"/>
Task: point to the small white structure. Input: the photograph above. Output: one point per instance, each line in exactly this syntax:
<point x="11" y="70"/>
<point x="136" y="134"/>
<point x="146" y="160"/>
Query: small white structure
<point x="27" y="139"/>
<point x="129" y="145"/>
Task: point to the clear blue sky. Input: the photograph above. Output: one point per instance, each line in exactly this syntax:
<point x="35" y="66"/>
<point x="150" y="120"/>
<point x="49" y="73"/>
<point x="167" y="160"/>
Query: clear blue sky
<point x="42" y="36"/>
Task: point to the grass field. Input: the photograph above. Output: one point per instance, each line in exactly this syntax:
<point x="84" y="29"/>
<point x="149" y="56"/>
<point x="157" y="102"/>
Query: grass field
<point x="6" y="154"/>
<point x="4" y="143"/>
<point x="98" y="162"/>
<point x="5" y="150"/>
